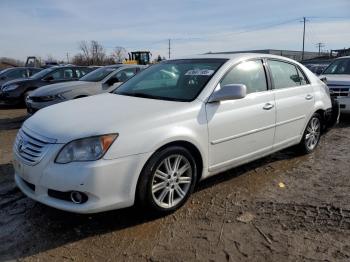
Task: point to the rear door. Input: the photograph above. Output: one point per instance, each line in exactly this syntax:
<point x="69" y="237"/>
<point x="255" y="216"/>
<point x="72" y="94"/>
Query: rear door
<point x="294" y="101"/>
<point x="242" y="129"/>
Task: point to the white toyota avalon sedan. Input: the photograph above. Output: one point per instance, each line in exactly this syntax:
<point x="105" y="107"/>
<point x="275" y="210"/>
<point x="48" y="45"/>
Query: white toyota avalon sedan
<point x="170" y="126"/>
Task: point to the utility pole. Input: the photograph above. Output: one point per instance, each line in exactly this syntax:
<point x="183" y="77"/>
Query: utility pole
<point x="302" y="54"/>
<point x="169" y="48"/>
<point x="319" y="45"/>
<point x="67" y="58"/>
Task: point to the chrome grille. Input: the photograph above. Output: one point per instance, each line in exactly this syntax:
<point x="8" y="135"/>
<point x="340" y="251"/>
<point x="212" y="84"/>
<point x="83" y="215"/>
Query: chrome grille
<point x="30" y="146"/>
<point x="339" y="91"/>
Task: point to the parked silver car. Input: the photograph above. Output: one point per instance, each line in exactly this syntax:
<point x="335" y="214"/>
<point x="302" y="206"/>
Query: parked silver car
<point x="337" y="76"/>
<point x="102" y="80"/>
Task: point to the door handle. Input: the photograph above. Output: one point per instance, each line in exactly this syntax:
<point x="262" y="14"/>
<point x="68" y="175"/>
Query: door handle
<point x="268" y="106"/>
<point x="308" y="97"/>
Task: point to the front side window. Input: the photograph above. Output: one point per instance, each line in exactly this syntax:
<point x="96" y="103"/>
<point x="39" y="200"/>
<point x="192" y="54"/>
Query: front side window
<point x="43" y="73"/>
<point x="176" y="80"/>
<point x="125" y="74"/>
<point x="340" y="66"/>
<point x="249" y="73"/>
<point x="284" y="74"/>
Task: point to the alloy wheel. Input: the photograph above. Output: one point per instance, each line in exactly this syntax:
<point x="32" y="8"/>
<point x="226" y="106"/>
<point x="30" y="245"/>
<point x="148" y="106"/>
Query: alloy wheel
<point x="172" y="181"/>
<point x="313" y="132"/>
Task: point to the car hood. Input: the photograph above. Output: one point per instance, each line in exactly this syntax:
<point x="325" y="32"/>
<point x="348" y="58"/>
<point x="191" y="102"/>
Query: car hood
<point x="60" y="88"/>
<point x="337" y="79"/>
<point x="104" y="114"/>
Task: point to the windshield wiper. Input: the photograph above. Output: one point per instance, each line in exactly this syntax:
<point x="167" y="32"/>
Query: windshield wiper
<point x="142" y="95"/>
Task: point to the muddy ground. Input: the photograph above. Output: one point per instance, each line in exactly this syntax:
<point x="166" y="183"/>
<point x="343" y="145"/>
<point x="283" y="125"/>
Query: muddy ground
<point x="284" y="207"/>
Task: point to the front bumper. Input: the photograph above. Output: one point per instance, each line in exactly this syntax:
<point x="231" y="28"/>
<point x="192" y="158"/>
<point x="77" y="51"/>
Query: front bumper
<point x="344" y="104"/>
<point x="9" y="99"/>
<point x="109" y="184"/>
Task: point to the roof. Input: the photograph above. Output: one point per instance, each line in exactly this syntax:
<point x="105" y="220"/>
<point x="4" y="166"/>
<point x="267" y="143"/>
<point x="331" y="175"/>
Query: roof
<point x="236" y="56"/>
<point x="267" y="51"/>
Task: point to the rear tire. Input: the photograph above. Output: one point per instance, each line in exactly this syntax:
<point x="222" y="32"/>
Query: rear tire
<point x="312" y="135"/>
<point x="167" y="180"/>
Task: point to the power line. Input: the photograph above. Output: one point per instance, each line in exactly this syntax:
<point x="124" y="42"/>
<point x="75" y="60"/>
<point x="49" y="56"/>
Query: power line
<point x="169" y="47"/>
<point x="320" y="45"/>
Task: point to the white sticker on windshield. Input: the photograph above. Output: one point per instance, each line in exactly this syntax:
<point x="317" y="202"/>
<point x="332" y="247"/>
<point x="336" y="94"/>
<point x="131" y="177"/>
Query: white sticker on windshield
<point x="200" y="72"/>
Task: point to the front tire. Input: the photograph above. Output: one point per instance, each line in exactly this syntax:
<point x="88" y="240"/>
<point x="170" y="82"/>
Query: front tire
<point x="312" y="135"/>
<point x="167" y="180"/>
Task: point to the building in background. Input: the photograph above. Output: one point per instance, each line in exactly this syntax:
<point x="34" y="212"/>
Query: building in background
<point x="340" y="52"/>
<point x="295" y="55"/>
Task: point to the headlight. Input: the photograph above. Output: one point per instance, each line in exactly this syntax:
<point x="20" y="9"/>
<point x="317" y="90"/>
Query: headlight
<point x="9" y="87"/>
<point x="86" y="149"/>
<point x="49" y="98"/>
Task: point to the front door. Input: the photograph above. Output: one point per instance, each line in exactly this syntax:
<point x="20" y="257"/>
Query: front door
<point x="243" y="129"/>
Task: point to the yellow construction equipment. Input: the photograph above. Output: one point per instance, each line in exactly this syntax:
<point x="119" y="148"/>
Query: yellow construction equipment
<point x="139" y="58"/>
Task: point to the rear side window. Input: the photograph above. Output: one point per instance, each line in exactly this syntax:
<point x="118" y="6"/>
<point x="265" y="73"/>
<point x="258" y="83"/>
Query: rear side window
<point x="303" y="79"/>
<point x="249" y="73"/>
<point x="80" y="72"/>
<point x="285" y="74"/>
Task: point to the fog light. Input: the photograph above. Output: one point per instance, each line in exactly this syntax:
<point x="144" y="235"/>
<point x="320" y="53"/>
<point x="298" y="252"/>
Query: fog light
<point x="77" y="197"/>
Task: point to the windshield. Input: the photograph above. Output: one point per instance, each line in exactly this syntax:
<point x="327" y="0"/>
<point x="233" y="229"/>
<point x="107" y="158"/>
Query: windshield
<point x="42" y="73"/>
<point x="98" y="74"/>
<point x="2" y="72"/>
<point x="339" y="66"/>
<point x="176" y="80"/>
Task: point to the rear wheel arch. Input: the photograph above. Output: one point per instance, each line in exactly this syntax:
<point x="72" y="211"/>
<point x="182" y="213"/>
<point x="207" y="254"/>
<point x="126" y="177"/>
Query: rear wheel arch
<point x="322" y="114"/>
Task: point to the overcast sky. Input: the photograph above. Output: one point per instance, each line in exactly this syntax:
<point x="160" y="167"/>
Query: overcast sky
<point x="45" y="27"/>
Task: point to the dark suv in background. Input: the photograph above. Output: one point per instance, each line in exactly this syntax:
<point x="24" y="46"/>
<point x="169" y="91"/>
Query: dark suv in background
<point x="15" y="91"/>
<point x="17" y="72"/>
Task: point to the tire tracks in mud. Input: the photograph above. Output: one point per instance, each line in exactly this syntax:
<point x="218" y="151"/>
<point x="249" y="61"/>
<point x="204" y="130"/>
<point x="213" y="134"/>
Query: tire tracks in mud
<point x="303" y="216"/>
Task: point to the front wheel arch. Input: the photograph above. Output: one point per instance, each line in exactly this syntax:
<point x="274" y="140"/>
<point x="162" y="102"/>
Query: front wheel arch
<point x="181" y="143"/>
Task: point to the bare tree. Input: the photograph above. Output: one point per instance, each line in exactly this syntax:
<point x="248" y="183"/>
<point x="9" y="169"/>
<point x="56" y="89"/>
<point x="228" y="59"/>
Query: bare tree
<point x="119" y="54"/>
<point x="50" y="58"/>
<point x="84" y="48"/>
<point x="92" y="53"/>
<point x="9" y="62"/>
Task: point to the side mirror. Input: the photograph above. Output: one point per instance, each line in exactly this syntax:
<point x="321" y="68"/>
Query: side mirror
<point x="49" y="78"/>
<point x="112" y="81"/>
<point x="324" y="79"/>
<point x="228" y="92"/>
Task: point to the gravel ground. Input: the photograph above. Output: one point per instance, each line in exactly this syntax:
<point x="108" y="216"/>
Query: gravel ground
<point x="284" y="207"/>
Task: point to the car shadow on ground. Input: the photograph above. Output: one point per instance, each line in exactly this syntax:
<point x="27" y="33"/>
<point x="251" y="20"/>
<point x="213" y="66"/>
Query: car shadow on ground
<point x="12" y="123"/>
<point x="39" y="222"/>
